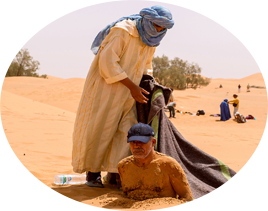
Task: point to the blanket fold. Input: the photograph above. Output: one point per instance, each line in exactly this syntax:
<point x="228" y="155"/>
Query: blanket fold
<point x="204" y="172"/>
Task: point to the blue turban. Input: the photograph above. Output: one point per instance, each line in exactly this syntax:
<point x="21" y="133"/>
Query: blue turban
<point x="144" y="23"/>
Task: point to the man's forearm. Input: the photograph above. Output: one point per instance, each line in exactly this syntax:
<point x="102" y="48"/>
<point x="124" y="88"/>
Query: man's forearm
<point x="128" y="83"/>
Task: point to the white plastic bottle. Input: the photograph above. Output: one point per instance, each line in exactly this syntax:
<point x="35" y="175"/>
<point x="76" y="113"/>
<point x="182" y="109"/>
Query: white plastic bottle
<point x="69" y="179"/>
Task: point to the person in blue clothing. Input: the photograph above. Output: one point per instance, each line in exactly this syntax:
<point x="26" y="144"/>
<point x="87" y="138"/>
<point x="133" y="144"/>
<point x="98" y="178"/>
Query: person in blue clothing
<point x="225" y="111"/>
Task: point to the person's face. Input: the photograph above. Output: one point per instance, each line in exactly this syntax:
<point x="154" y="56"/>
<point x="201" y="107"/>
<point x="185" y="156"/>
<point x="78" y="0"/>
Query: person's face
<point x="158" y="28"/>
<point x="141" y="150"/>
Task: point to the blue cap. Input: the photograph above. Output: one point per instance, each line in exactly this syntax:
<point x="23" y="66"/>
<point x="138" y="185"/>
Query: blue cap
<point x="140" y="132"/>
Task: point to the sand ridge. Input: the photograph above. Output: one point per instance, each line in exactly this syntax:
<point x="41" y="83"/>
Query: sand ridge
<point x="115" y="200"/>
<point x="38" y="117"/>
<point x="58" y="92"/>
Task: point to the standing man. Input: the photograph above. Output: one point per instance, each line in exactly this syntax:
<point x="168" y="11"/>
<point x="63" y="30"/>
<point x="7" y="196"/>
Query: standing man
<point x="107" y="109"/>
<point x="235" y="103"/>
<point x="239" y="88"/>
<point x="171" y="107"/>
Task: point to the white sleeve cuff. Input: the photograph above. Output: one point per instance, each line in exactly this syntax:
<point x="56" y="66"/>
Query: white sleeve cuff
<point x="116" y="78"/>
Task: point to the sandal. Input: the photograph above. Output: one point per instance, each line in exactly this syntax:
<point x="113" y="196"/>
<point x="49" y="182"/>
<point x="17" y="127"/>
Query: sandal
<point x="97" y="183"/>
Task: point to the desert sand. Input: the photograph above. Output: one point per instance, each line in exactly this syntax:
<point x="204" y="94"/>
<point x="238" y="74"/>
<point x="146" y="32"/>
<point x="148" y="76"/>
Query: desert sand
<point x="38" y="117"/>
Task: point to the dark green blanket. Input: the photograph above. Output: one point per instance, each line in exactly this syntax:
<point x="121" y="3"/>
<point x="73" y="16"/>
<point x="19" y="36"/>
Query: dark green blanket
<point x="204" y="172"/>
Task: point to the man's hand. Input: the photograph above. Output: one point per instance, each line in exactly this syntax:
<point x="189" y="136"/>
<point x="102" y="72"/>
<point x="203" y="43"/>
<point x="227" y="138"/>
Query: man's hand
<point x="136" y="91"/>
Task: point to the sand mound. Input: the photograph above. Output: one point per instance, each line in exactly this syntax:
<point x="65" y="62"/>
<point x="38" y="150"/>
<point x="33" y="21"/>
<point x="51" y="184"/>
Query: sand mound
<point x="53" y="78"/>
<point x="256" y="76"/>
<point x="58" y="92"/>
<point x="117" y="200"/>
<point x="253" y="80"/>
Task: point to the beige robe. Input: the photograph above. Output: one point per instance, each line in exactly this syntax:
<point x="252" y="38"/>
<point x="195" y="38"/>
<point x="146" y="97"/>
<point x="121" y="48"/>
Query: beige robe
<point x="107" y="110"/>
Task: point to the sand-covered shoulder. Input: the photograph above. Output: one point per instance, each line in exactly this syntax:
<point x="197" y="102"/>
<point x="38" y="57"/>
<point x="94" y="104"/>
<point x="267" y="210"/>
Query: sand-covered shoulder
<point x="38" y="118"/>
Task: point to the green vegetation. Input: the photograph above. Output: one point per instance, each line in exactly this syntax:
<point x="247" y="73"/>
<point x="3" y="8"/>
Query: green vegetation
<point x="177" y="73"/>
<point x="24" y="65"/>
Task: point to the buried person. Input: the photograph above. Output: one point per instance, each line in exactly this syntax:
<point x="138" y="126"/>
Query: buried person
<point x="149" y="174"/>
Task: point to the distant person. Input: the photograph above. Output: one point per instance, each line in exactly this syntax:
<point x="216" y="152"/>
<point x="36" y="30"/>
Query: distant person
<point x="220" y="86"/>
<point x="171" y="98"/>
<point x="225" y="111"/>
<point x="240" y="118"/>
<point x="235" y="103"/>
<point x="248" y="86"/>
<point x="150" y="174"/>
<point x="239" y="88"/>
<point x="171" y="107"/>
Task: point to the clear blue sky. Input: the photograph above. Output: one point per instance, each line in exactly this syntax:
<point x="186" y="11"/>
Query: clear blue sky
<point x="63" y="46"/>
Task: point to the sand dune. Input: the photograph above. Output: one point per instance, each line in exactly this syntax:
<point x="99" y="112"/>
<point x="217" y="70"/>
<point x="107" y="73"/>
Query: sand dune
<point x="252" y="78"/>
<point x="61" y="93"/>
<point x="38" y="116"/>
